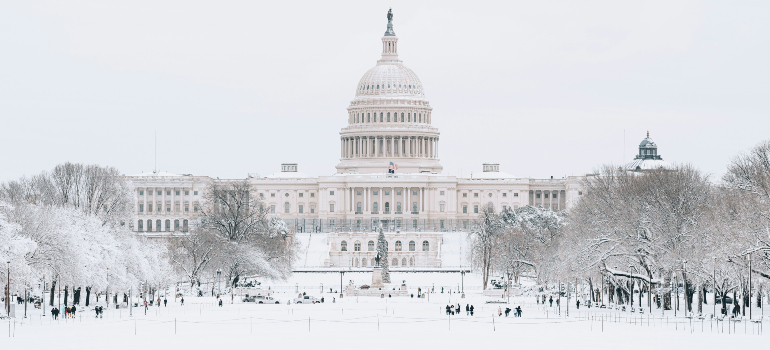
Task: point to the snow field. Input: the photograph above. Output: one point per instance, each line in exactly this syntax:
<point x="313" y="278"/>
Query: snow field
<point x="367" y="322"/>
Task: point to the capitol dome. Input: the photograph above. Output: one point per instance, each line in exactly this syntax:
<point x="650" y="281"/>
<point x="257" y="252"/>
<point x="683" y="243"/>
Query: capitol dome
<point x="648" y="158"/>
<point x="390" y="79"/>
<point x="389" y="121"/>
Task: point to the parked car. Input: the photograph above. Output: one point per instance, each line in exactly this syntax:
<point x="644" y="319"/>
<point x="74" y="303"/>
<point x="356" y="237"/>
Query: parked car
<point x="728" y="299"/>
<point x="306" y="300"/>
<point x="266" y="299"/>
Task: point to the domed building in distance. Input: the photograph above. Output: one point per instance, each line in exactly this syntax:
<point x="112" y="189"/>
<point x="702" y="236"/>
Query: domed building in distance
<point x="389" y="176"/>
<point x="648" y="157"/>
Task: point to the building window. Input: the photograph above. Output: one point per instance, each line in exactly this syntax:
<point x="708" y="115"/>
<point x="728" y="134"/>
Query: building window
<point x="374" y="207"/>
<point x="546" y="195"/>
<point x="425" y="246"/>
<point x="358" y="193"/>
<point x="490" y="195"/>
<point x="157" y="225"/>
<point x="398" y="193"/>
<point x="301" y="207"/>
<point x="476" y="194"/>
<point x="286" y="194"/>
<point x="177" y="193"/>
<point x="580" y="193"/>
<point x="176" y="225"/>
<point x="414" y="193"/>
<point x="272" y="195"/>
<point x="272" y="209"/>
<point x="186" y="208"/>
<point x="516" y="194"/>
<point x="141" y="208"/>
<point x="395" y="262"/>
<point x="301" y="194"/>
<point x="286" y="207"/>
<point x="441" y="207"/>
<point x="357" y="246"/>
<point x="312" y="209"/>
<point x="555" y="195"/>
<point x="141" y="225"/>
<point x="411" y="246"/>
<point x="312" y="194"/>
<point x="398" y="246"/>
<point x="141" y="193"/>
<point x="505" y="194"/>
<point x="195" y="208"/>
<point x="168" y="208"/>
<point x="387" y="193"/>
<point x="195" y="193"/>
<point x="398" y="207"/>
<point x="375" y="192"/>
<point x="186" y="193"/>
<point x="149" y="225"/>
<point x="465" y="195"/>
<point x="149" y="208"/>
<point x="331" y="193"/>
<point x="475" y="209"/>
<point x="414" y="207"/>
<point x="505" y="207"/>
<point x="370" y="246"/>
<point x="344" y="246"/>
<point x="442" y="193"/>
<point x="358" y="207"/>
<point x="331" y="207"/>
<point x="465" y="209"/>
<point x="168" y="193"/>
<point x="363" y="262"/>
<point x="537" y="195"/>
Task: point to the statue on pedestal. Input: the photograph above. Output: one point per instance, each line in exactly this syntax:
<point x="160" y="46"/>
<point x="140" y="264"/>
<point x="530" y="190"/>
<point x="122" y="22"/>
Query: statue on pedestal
<point x="390" y="31"/>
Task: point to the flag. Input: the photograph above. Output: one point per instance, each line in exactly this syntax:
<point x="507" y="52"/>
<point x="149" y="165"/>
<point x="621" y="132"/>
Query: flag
<point x="392" y="168"/>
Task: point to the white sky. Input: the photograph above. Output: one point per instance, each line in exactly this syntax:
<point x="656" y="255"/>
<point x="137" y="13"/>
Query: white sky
<point x="544" y="88"/>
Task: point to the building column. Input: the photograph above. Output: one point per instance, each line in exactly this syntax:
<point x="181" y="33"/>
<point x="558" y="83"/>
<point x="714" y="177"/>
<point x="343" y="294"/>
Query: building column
<point x="376" y="143"/>
<point x="419" y="202"/>
<point x="408" y="201"/>
<point x="382" y="207"/>
<point x="367" y="196"/>
<point x="392" y="200"/>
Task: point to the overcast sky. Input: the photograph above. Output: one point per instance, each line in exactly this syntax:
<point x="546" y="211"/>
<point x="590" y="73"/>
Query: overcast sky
<point x="543" y="88"/>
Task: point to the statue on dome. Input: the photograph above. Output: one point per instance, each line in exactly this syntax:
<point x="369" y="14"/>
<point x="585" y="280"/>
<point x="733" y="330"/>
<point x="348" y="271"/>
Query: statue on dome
<point x="390" y="31"/>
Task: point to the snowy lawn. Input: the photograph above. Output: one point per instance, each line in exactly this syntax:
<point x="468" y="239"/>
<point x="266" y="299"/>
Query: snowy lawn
<point x="366" y="322"/>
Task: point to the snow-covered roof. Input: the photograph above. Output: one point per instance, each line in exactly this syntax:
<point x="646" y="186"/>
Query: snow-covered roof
<point x="647" y="164"/>
<point x="288" y="175"/>
<point x="490" y="175"/>
<point x="159" y="173"/>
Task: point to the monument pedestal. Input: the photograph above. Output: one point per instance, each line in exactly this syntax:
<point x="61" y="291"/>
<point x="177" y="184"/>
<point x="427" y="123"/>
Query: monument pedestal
<point x="377" y="278"/>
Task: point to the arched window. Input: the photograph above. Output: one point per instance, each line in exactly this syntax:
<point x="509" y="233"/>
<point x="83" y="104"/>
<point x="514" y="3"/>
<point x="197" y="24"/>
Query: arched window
<point x="286" y="207"/>
<point x="414" y="207"/>
<point x="356" y="262"/>
<point x="176" y="225"/>
<point x="398" y="207"/>
<point x="358" y="207"/>
<point x="157" y="225"/>
<point x="403" y="262"/>
<point x="381" y="117"/>
<point x="368" y="118"/>
<point x="425" y="246"/>
<point x="357" y="246"/>
<point x="409" y="117"/>
<point x="363" y="262"/>
<point x="387" y="207"/>
<point x="395" y="262"/>
<point x="374" y="207"/>
<point x="411" y="261"/>
<point x="184" y="225"/>
<point x="398" y="246"/>
<point x="141" y="225"/>
<point x="388" y="116"/>
<point x="149" y="225"/>
<point x="344" y="246"/>
<point x="168" y="225"/>
<point x="402" y="117"/>
<point x="411" y="246"/>
<point x="371" y="246"/>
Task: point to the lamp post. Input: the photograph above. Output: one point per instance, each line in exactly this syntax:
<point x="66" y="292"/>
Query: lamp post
<point x="342" y="273"/>
<point x="219" y="287"/>
<point x="42" y="304"/>
<point x="8" y="290"/>
<point x="684" y="280"/>
<point x="715" y="288"/>
<point x="749" y="286"/>
<point x="462" y="279"/>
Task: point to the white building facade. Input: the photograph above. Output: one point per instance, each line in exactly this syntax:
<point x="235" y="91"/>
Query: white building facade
<point x="389" y="121"/>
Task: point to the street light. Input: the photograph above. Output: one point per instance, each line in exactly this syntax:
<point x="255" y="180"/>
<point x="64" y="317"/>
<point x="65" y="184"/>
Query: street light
<point x="462" y="279"/>
<point x="715" y="288"/>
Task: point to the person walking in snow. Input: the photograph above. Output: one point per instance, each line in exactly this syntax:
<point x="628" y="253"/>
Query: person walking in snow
<point x="518" y="311"/>
<point x="447" y="310"/>
<point x="499" y="311"/>
<point x="507" y="311"/>
<point x="578" y="304"/>
<point x="182" y="301"/>
<point x="550" y="300"/>
<point x="165" y="301"/>
<point x="73" y="311"/>
<point x="467" y="310"/>
<point x="471" y="310"/>
<point x="220" y="302"/>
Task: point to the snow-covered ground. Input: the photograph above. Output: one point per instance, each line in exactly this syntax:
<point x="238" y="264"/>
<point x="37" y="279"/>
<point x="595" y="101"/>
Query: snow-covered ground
<point x="372" y="323"/>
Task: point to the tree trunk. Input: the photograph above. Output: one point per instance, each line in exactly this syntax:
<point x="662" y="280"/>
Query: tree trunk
<point x="66" y="294"/>
<point x="53" y="289"/>
<point x="700" y="300"/>
<point x="88" y="295"/>
<point x="591" y="288"/>
<point x="667" y="294"/>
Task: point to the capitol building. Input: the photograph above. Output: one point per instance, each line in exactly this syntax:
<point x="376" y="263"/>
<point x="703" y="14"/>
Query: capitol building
<point x="389" y="176"/>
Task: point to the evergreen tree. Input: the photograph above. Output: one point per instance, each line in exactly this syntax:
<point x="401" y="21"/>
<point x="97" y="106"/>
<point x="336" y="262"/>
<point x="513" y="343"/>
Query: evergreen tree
<point x="382" y="248"/>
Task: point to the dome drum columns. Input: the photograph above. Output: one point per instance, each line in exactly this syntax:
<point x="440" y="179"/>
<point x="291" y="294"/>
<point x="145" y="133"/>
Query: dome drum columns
<point x="389" y="147"/>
